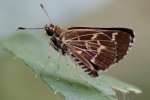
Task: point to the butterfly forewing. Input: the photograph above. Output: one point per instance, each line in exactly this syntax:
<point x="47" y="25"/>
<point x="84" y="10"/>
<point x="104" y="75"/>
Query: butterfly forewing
<point x="98" y="48"/>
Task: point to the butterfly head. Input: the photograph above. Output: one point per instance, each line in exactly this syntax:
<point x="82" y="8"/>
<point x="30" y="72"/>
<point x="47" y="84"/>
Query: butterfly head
<point x="50" y="29"/>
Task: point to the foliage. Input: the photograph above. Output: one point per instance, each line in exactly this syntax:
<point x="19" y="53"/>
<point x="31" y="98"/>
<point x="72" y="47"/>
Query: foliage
<point x="60" y="73"/>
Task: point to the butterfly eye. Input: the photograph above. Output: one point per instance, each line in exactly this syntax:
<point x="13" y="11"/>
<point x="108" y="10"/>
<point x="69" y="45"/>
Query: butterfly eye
<point x="51" y="25"/>
<point x="49" y="31"/>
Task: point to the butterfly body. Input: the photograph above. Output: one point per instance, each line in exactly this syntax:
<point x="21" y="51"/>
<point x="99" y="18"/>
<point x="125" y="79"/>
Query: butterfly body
<point x="92" y="48"/>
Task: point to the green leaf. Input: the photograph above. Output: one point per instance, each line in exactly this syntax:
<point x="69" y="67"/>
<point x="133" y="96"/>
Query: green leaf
<point x="60" y="73"/>
<point x="121" y="86"/>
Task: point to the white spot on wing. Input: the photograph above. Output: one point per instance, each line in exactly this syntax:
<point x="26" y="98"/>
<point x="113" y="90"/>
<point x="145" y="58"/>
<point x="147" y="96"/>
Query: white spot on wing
<point x="114" y="36"/>
<point x="79" y="52"/>
<point x="94" y="36"/>
<point x="87" y="45"/>
<point x="102" y="47"/>
<point x="78" y="37"/>
<point x="100" y="33"/>
<point x="98" y="42"/>
<point x="93" y="59"/>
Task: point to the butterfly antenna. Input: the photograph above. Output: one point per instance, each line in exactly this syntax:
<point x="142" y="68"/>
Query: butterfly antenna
<point x="24" y="28"/>
<point x="45" y="11"/>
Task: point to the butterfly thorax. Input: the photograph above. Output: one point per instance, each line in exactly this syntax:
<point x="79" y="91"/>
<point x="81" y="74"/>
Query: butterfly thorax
<point x="55" y="41"/>
<point x="53" y="30"/>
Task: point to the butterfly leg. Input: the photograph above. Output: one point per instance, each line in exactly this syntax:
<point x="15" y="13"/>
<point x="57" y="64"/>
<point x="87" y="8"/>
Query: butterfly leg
<point x="49" y="50"/>
<point x="76" y="68"/>
<point x="51" y="44"/>
<point x="59" y="60"/>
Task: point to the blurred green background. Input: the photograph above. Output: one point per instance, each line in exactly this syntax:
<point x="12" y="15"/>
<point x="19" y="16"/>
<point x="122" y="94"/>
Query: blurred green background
<point x="17" y="82"/>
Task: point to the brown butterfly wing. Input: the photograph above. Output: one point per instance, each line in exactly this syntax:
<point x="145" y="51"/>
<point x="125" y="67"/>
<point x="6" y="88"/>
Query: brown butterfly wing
<point x="97" y="48"/>
<point x="124" y="38"/>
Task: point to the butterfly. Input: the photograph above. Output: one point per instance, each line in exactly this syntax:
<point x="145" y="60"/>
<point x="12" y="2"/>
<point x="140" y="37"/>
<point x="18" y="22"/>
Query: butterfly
<point x="92" y="48"/>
